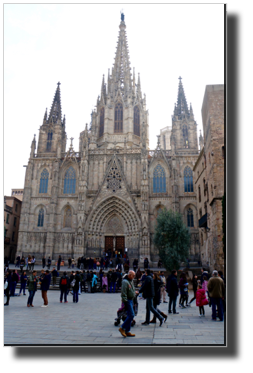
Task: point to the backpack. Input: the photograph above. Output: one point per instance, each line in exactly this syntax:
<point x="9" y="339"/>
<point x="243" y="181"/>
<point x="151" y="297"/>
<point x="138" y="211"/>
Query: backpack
<point x="64" y="281"/>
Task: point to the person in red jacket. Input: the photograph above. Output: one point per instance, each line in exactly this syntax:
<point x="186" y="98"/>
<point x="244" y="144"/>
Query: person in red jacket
<point x="201" y="300"/>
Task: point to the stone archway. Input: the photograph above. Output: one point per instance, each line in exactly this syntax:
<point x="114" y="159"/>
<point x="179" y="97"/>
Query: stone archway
<point x="104" y="216"/>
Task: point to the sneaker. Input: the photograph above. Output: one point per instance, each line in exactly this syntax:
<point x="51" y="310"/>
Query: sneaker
<point x="28" y="305"/>
<point x="170" y="312"/>
<point x="122" y="331"/>
<point x="145" y="323"/>
<point x="165" y="301"/>
<point x="66" y="301"/>
<point x="175" y="313"/>
<point x="200" y="315"/>
<point x="130" y="334"/>
<point x="180" y="306"/>
<point x="188" y="305"/>
<point x="60" y="301"/>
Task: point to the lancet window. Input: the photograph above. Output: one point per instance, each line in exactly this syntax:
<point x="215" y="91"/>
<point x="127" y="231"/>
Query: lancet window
<point x="44" y="181"/>
<point x="159" y="180"/>
<point x="188" y="180"/>
<point x="102" y="119"/>
<point x="118" y="119"/>
<point x="70" y="181"/>
<point x="136" y="121"/>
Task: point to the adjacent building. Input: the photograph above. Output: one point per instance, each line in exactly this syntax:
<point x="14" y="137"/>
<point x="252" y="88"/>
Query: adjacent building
<point x="12" y="210"/>
<point x="209" y="177"/>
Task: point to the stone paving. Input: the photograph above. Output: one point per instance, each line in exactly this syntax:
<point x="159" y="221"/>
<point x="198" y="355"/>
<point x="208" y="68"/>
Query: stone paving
<point x="91" y="322"/>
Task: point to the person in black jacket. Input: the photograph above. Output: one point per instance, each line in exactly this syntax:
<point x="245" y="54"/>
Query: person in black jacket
<point x="158" y="283"/>
<point x="172" y="290"/>
<point x="43" y="262"/>
<point x="148" y="291"/>
<point x="194" y="285"/>
<point x="113" y="281"/>
<point x="8" y="278"/>
<point x="76" y="287"/>
<point x="64" y="285"/>
<point x="45" y="284"/>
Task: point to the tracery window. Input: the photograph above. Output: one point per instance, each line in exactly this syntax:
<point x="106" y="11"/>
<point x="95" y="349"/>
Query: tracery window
<point x="102" y="118"/>
<point x="159" y="180"/>
<point x="190" y="222"/>
<point x="114" y="178"/>
<point x="44" y="181"/>
<point x="70" y="181"/>
<point x="118" y="119"/>
<point x="188" y="180"/>
<point x="41" y="218"/>
<point x="136" y="121"/>
<point x="49" y="140"/>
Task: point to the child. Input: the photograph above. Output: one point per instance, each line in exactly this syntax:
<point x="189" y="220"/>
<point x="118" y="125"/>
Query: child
<point x="201" y="300"/>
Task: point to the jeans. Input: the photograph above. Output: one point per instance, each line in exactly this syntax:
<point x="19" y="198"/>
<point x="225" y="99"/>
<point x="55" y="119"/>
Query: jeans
<point x="172" y="302"/>
<point x="31" y="296"/>
<point x="63" y="292"/>
<point x="22" y="287"/>
<point x="75" y="296"/>
<point x="150" y="307"/>
<point x="13" y="288"/>
<point x="217" y="302"/>
<point x="130" y="316"/>
<point x="113" y="284"/>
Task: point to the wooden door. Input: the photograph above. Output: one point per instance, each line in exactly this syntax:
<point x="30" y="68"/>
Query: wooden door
<point x="120" y="244"/>
<point x="109" y="243"/>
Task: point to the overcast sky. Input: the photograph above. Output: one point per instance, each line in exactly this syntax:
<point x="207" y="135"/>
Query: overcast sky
<point x="76" y="44"/>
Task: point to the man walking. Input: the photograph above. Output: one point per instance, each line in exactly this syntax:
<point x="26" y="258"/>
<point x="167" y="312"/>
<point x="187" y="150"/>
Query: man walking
<point x="172" y="290"/>
<point x="216" y="291"/>
<point x="127" y="294"/>
<point x="148" y="291"/>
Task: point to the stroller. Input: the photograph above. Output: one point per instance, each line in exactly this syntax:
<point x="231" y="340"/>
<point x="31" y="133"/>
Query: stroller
<point x="122" y="313"/>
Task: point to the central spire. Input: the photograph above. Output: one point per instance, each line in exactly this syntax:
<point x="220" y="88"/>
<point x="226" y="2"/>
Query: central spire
<point x="121" y="69"/>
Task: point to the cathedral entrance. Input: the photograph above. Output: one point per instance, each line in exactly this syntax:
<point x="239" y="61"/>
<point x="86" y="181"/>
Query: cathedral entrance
<point x="115" y="244"/>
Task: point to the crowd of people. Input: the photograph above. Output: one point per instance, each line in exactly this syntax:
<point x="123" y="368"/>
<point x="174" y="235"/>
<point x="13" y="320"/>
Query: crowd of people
<point x="151" y="286"/>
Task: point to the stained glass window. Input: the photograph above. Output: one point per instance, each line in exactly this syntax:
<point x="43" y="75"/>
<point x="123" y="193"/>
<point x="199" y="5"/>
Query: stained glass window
<point x="41" y="218"/>
<point x="190" y="218"/>
<point x="118" y="120"/>
<point x="70" y="181"/>
<point x="137" y="121"/>
<point x="159" y="180"/>
<point x="188" y="180"/>
<point x="102" y="117"/>
<point x="44" y="181"/>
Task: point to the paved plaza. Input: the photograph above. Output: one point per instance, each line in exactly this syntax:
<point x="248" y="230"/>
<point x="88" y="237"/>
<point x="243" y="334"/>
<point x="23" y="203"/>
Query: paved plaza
<point x="91" y="322"/>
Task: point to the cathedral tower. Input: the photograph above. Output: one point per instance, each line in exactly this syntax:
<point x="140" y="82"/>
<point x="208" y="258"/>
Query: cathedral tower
<point x="52" y="135"/>
<point x="184" y="127"/>
<point x="121" y="107"/>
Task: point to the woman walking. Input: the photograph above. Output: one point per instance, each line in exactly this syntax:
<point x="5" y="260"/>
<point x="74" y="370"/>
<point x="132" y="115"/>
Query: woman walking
<point x="156" y="301"/>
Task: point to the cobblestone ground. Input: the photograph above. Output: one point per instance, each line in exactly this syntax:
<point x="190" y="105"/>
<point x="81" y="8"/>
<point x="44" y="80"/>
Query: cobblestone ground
<point x="91" y="322"/>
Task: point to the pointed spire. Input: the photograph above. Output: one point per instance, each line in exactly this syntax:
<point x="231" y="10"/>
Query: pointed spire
<point x="55" y="112"/>
<point x="121" y="69"/>
<point x="182" y="107"/>
<point x="139" y="86"/>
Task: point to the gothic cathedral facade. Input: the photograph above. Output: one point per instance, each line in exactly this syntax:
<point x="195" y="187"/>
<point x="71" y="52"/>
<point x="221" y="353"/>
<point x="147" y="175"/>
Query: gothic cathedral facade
<point x="107" y="195"/>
